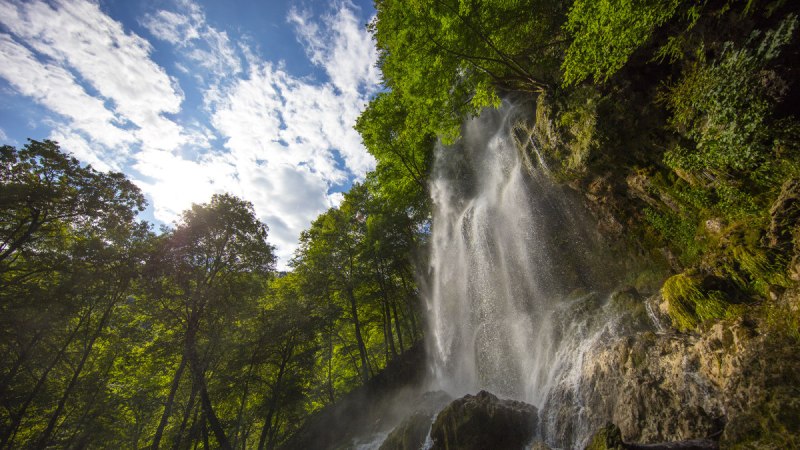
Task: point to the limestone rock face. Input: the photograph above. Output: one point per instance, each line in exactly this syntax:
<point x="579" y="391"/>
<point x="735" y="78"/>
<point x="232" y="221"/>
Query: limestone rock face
<point x="483" y="421"/>
<point x="734" y="378"/>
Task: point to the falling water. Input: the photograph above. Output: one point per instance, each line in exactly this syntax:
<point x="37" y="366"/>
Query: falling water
<point x="515" y="302"/>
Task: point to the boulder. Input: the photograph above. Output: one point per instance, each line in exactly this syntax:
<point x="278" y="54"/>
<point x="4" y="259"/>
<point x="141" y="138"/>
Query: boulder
<point x="483" y="421"/>
<point x="411" y="433"/>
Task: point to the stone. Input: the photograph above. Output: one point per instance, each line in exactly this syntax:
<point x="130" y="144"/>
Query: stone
<point x="483" y="421"/>
<point x="607" y="438"/>
<point x="411" y="433"/>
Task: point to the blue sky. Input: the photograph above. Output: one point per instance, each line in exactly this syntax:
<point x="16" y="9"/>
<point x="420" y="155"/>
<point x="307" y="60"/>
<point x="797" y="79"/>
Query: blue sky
<point x="189" y="97"/>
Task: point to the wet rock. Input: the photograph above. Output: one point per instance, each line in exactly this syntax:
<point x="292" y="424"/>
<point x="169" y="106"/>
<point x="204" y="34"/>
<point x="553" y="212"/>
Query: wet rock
<point x="411" y="433"/>
<point x="483" y="421"/>
<point x="630" y="304"/>
<point x="736" y="379"/>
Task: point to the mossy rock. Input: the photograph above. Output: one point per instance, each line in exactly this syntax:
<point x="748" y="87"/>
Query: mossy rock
<point x="607" y="438"/>
<point x="689" y="304"/>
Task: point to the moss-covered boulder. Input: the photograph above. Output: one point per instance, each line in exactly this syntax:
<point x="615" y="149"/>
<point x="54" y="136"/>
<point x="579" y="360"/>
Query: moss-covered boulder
<point x="482" y="421"/>
<point x="607" y="438"/>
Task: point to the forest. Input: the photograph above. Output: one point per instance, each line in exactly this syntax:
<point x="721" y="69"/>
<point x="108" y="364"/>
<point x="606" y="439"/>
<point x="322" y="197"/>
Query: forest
<point x="677" y="122"/>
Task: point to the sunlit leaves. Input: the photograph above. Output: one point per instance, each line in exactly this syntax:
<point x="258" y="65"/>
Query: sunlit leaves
<point x="606" y="32"/>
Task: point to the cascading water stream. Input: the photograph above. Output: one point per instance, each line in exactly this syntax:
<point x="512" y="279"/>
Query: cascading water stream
<point x="513" y="304"/>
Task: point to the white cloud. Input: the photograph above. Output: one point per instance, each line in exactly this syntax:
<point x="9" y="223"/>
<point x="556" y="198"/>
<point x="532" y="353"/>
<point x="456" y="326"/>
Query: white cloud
<point x="342" y="47"/>
<point x="101" y="159"/>
<point x="205" y="45"/>
<point x="299" y="134"/>
<point x="77" y="36"/>
<point x="288" y="140"/>
<point x="3" y="137"/>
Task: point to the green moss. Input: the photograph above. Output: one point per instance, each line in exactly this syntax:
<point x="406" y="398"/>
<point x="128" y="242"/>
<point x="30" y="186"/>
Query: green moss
<point x="688" y="305"/>
<point x="607" y="438"/>
<point x="565" y="130"/>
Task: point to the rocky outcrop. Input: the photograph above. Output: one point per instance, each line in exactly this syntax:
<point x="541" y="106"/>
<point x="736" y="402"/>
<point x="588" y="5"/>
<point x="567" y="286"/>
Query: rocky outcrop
<point x="737" y="379"/>
<point x="784" y="227"/>
<point x="783" y="234"/>
<point x="483" y="421"/>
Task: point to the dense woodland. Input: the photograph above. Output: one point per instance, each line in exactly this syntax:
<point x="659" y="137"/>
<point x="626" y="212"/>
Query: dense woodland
<point x="677" y="119"/>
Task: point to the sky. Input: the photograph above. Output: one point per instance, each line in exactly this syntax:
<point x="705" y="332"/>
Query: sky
<point x="189" y="98"/>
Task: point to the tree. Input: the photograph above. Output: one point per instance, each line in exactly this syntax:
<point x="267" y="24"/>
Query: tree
<point x="70" y="248"/>
<point x="41" y="189"/>
<point x="449" y="58"/>
<point x="205" y="271"/>
<point x="393" y="134"/>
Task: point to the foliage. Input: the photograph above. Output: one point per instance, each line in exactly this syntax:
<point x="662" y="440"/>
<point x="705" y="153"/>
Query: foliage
<point x="725" y="109"/>
<point x="565" y="131"/>
<point x="111" y="336"/>
<point x="42" y="190"/>
<point x="69" y="258"/>
<point x="607" y="32"/>
<point x="393" y="134"/>
<point x="447" y="59"/>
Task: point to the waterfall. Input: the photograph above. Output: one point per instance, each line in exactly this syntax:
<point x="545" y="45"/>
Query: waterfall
<point x="516" y="300"/>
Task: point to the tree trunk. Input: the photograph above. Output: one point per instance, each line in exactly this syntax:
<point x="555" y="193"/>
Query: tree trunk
<point x="198" y="376"/>
<point x="23" y="356"/>
<point x="204" y="427"/>
<point x="331" y="393"/>
<point x="194" y="430"/>
<point x="186" y="413"/>
<point x="45" y="438"/>
<point x="82" y="432"/>
<point x="176" y="380"/>
<point x="240" y="413"/>
<point x="273" y="401"/>
<point x="412" y="316"/>
<point x="362" y="349"/>
<point x="397" y="326"/>
<point x="387" y="316"/>
<point x="8" y="438"/>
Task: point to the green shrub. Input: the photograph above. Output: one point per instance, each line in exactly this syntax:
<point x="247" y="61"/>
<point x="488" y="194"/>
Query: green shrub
<point x="724" y="107"/>
<point x="678" y="231"/>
